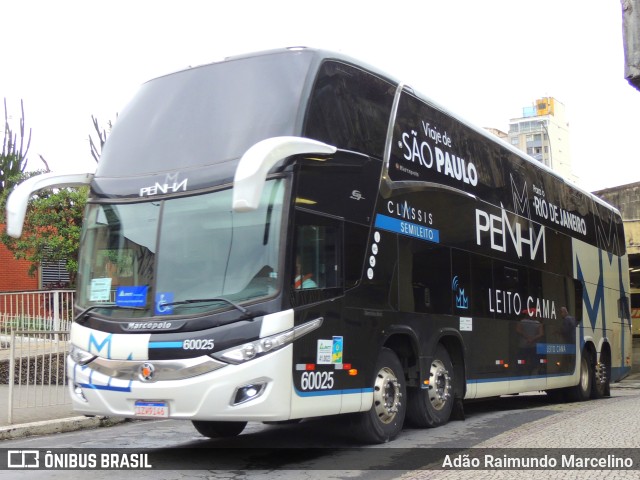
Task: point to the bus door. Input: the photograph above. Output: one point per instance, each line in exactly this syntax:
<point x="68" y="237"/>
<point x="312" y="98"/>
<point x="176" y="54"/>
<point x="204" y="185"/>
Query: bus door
<point x="320" y="359"/>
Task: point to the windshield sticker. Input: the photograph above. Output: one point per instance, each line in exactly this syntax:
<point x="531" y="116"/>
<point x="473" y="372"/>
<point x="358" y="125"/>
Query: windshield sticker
<point x="132" y="296"/>
<point x="162" y="299"/>
<point x="100" y="289"/>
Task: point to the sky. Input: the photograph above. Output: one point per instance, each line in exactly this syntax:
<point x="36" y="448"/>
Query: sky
<point x="482" y="60"/>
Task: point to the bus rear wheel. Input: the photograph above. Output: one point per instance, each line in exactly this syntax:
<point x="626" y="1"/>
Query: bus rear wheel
<point x="432" y="406"/>
<point x="582" y="391"/>
<point x="219" y="429"/>
<point x="385" y="419"/>
<point x="601" y="378"/>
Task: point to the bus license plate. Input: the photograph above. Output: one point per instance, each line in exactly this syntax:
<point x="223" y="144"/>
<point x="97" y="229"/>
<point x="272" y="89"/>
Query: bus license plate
<point x="151" y="409"/>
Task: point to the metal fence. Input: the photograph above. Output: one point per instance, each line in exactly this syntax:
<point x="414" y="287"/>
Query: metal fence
<point x="40" y="310"/>
<point x="37" y="370"/>
<point x="34" y="334"/>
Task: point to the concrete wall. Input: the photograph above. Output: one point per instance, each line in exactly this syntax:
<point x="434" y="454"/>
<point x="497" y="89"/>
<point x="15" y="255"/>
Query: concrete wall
<point x="631" y="39"/>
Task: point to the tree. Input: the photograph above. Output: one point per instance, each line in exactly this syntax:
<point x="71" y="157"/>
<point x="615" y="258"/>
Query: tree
<point x="13" y="158"/>
<point x="52" y="227"/>
<point x="53" y="223"/>
<point x="96" y="149"/>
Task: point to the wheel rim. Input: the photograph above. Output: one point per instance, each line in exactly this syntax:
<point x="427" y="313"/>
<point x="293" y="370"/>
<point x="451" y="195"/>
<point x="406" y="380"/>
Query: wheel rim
<point x="386" y="395"/>
<point x="439" y="385"/>
<point x="601" y="373"/>
<point x="584" y="374"/>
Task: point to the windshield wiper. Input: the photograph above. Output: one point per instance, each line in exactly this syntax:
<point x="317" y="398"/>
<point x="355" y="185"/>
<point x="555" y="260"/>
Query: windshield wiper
<point x="104" y="305"/>
<point x="240" y="308"/>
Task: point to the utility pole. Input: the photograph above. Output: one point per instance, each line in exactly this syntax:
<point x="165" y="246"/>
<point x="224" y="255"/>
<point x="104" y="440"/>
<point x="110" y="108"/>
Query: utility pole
<point x="631" y="41"/>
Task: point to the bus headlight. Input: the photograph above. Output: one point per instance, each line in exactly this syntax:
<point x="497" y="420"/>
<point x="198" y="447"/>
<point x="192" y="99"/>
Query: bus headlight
<point x="263" y="346"/>
<point x="81" y="357"/>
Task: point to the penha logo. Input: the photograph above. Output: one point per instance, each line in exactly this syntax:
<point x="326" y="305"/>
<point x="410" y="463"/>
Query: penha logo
<point x="170" y="185"/>
<point x="462" y="301"/>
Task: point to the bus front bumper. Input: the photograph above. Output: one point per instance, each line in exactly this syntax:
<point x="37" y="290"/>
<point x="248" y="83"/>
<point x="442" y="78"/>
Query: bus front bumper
<point x="257" y="390"/>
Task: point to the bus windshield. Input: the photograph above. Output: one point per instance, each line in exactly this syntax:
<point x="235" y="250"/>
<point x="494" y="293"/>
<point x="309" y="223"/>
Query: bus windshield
<point x="206" y="115"/>
<point x="205" y="252"/>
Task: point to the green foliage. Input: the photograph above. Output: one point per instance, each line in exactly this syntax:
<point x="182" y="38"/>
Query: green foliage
<point x="52" y="227"/>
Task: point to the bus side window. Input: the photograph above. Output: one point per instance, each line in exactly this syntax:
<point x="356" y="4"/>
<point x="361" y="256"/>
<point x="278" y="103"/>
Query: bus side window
<point x="509" y="279"/>
<point x="481" y="284"/>
<point x="424" y="273"/>
<point x="578" y="288"/>
<point x="355" y="248"/>
<point x="624" y="312"/>
<point x="317" y="254"/>
<point x="461" y="284"/>
<point x="307" y="258"/>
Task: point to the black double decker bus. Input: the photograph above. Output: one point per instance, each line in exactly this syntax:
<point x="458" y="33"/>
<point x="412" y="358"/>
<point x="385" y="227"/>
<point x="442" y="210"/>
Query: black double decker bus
<point x="293" y="234"/>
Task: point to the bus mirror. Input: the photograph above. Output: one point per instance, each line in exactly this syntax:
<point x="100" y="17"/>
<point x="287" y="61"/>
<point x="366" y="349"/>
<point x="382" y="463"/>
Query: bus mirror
<point x="19" y="197"/>
<point x="254" y="165"/>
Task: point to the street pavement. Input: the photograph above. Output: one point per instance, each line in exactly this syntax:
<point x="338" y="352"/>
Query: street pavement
<point x="590" y="427"/>
<point x="45" y="420"/>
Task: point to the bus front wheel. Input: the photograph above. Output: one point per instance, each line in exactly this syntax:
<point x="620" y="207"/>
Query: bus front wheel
<point x="432" y="406"/>
<point x="219" y="429"/>
<point x="385" y="419"/>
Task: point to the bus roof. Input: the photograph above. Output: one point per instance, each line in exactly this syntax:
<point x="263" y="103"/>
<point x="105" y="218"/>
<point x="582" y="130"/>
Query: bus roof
<point x="301" y="81"/>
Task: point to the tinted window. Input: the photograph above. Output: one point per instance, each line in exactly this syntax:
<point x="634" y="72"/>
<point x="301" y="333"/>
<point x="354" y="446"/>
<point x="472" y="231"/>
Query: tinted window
<point x="481" y="285"/>
<point x="508" y="298"/>
<point x="206" y="115"/>
<point x="317" y="257"/>
<point x="355" y="238"/>
<point x="428" y="268"/>
<point x="350" y="108"/>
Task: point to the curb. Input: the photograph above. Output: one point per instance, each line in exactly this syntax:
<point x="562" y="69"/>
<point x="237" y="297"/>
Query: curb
<point x="60" y="425"/>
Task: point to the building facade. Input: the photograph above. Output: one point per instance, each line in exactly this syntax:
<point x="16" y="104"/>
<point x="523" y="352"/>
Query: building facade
<point x="14" y="274"/>
<point x="543" y="133"/>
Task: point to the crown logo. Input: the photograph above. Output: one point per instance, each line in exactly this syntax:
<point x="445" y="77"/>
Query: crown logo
<point x="462" y="301"/>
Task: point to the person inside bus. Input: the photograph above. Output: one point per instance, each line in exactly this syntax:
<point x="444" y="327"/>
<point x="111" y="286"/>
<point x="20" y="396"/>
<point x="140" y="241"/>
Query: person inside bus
<point x="530" y="331"/>
<point x="568" y="328"/>
<point x="303" y="280"/>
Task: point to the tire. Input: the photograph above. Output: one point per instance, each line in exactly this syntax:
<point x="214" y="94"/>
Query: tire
<point x="384" y="421"/>
<point x="219" y="429"/>
<point x="582" y="391"/>
<point x="432" y="407"/>
<point x="600" y="384"/>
